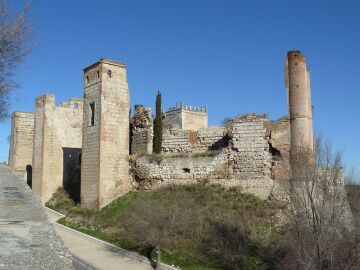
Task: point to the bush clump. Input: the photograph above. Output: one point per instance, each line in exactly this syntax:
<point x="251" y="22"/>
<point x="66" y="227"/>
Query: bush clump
<point x="60" y="201"/>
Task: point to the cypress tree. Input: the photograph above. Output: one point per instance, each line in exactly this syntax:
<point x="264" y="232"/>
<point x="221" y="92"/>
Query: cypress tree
<point x="157" y="142"/>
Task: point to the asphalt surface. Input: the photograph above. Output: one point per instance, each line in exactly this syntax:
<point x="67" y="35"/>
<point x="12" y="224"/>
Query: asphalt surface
<point x="27" y="239"/>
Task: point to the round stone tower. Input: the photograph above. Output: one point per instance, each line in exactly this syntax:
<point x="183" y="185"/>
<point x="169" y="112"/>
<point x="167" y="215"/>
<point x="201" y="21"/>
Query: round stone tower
<point x="297" y="78"/>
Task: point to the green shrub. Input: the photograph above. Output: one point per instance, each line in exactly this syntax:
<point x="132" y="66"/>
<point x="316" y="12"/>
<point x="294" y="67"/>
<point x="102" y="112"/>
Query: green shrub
<point x="60" y="201"/>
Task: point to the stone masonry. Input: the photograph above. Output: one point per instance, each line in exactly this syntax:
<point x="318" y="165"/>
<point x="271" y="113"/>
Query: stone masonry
<point x="240" y="154"/>
<point x="142" y="126"/>
<point x="176" y="140"/>
<point x="57" y="130"/>
<point x="297" y="82"/>
<point x="186" y="117"/>
<point x="105" y="160"/>
<point x="21" y="143"/>
<point x="251" y="151"/>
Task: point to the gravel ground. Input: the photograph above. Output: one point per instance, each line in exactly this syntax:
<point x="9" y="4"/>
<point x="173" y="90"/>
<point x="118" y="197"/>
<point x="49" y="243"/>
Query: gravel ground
<point x="27" y="240"/>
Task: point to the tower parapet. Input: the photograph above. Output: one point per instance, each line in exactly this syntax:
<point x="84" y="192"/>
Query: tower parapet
<point x="186" y="117"/>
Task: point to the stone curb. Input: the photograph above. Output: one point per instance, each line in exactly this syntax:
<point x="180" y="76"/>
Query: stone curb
<point x="112" y="247"/>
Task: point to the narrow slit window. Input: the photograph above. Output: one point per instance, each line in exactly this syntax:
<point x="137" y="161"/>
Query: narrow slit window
<point x="87" y="79"/>
<point x="98" y="74"/>
<point x="109" y="73"/>
<point x="92" y="114"/>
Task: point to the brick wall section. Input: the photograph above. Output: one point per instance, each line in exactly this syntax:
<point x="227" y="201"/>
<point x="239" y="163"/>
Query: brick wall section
<point x="249" y="156"/>
<point x="55" y="127"/>
<point x="106" y="144"/>
<point x="211" y="138"/>
<point x="21" y="142"/>
<point x="177" y="140"/>
<point x="247" y="161"/>
<point x="180" y="169"/>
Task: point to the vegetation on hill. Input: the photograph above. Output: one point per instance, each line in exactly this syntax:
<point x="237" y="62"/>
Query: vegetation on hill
<point x="204" y="226"/>
<point x="198" y="226"/>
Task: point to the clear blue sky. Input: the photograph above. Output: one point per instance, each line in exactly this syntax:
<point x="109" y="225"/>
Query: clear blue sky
<point x="228" y="55"/>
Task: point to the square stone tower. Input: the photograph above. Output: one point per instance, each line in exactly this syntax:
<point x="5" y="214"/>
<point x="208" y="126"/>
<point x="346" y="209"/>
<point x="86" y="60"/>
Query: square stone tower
<point x="21" y="143"/>
<point x="105" y="151"/>
<point x="57" y="130"/>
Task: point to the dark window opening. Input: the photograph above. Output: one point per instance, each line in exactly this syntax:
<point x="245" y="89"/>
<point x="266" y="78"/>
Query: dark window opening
<point x="87" y="79"/>
<point x="186" y="170"/>
<point x="109" y="73"/>
<point x="29" y="175"/>
<point x="98" y="74"/>
<point x="92" y="113"/>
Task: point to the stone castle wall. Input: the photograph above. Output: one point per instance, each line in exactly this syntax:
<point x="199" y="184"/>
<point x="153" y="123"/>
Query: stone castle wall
<point x="240" y="154"/>
<point x="180" y="169"/>
<point x="249" y="155"/>
<point x="251" y="151"/>
<point x="21" y="143"/>
<point x="57" y="129"/>
<point x="177" y="140"/>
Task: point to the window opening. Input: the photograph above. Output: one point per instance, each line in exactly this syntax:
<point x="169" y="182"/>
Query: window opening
<point x="92" y="113"/>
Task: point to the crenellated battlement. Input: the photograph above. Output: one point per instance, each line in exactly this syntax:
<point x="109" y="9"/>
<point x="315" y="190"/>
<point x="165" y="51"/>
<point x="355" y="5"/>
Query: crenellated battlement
<point x="186" y="117"/>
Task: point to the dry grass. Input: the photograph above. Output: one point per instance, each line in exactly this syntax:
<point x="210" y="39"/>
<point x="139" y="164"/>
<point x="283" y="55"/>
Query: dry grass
<point x="225" y="229"/>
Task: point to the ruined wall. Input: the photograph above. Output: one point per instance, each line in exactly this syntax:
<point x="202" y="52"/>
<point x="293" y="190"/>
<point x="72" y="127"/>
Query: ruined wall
<point x="21" y="143"/>
<point x="249" y="154"/>
<point x="56" y="128"/>
<point x="280" y="149"/>
<point x="105" y="160"/>
<point x="177" y="140"/>
<point x="142" y="126"/>
<point x="180" y="169"/>
<point x="245" y="156"/>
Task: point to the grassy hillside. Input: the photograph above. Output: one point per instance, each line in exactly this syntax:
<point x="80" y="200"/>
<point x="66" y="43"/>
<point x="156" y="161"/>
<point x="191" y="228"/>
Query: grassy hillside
<point x="218" y="228"/>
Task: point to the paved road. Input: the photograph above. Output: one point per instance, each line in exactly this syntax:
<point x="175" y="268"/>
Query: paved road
<point x="91" y="253"/>
<point x="27" y="240"/>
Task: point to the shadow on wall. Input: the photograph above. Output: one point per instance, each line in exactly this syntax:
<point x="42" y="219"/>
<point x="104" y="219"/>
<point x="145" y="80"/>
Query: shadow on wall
<point x="72" y="172"/>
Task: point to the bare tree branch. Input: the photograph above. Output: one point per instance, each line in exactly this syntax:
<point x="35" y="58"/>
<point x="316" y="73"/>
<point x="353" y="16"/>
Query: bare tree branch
<point x="14" y="46"/>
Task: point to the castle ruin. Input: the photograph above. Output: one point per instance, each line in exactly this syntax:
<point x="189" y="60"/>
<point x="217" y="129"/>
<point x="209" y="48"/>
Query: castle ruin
<point x="113" y="150"/>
